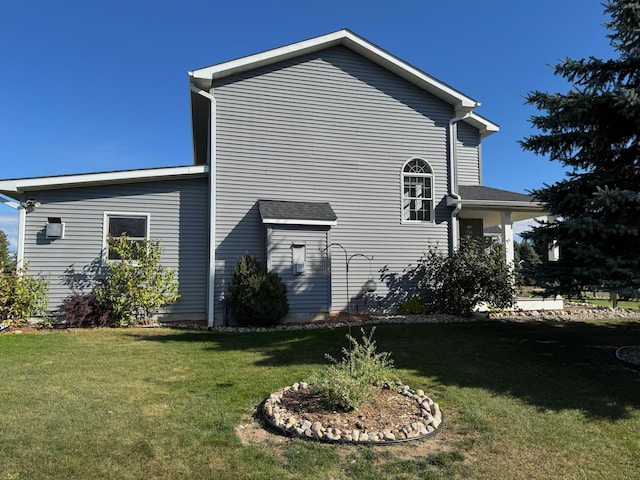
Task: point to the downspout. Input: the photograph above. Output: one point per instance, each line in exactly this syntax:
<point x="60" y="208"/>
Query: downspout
<point x="22" y="225"/>
<point x="453" y="180"/>
<point x="211" y="154"/>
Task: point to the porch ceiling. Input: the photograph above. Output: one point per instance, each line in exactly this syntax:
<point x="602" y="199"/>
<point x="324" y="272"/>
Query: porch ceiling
<point x="492" y="217"/>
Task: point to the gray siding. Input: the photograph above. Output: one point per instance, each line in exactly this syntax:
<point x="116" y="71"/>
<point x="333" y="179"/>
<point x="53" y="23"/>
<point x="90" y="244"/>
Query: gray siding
<point x="310" y="292"/>
<point x="328" y="127"/>
<point x="178" y="212"/>
<point x="468" y="151"/>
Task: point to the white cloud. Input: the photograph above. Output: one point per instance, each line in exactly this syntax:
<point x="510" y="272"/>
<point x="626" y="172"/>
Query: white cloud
<point x="9" y="225"/>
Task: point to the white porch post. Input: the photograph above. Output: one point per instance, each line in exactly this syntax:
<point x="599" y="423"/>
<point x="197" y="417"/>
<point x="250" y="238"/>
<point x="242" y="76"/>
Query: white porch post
<point x="507" y="237"/>
<point x="553" y="250"/>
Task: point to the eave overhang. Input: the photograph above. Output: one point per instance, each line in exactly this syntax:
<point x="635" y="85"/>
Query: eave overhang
<point x="14" y="187"/>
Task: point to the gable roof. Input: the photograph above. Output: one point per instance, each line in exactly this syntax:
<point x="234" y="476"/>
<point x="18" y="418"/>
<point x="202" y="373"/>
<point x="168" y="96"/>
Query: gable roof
<point x="202" y="78"/>
<point x="297" y="213"/>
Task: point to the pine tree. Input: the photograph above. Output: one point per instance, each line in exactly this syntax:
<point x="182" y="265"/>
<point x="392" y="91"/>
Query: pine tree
<point x="7" y="260"/>
<point x="593" y="130"/>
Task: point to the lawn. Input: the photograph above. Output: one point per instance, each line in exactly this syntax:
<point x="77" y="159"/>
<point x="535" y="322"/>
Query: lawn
<point x="522" y="400"/>
<point x="605" y="302"/>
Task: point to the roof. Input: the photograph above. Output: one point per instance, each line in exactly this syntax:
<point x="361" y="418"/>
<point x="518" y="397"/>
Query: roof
<point x="478" y="201"/>
<point x="482" y="193"/>
<point x="13" y="187"/>
<point x="202" y="78"/>
<point x="296" y="213"/>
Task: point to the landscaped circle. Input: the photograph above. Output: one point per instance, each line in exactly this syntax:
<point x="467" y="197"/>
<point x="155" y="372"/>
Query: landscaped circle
<point x="629" y="354"/>
<point x="294" y="411"/>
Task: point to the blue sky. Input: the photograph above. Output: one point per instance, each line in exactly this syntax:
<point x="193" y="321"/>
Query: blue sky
<point x="98" y="86"/>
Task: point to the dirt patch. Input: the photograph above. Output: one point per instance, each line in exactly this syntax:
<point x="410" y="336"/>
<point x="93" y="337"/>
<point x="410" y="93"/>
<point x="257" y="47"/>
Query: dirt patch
<point x="387" y="409"/>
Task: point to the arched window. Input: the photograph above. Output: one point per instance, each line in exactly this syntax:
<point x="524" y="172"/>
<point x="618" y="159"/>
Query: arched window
<point x="417" y="191"/>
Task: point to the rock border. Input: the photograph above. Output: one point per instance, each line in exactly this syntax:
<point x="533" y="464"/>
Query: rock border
<point x="285" y="422"/>
<point x="629" y="354"/>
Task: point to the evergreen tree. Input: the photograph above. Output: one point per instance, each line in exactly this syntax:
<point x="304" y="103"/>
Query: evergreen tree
<point x="527" y="262"/>
<point x="7" y="260"/>
<point x="593" y="130"/>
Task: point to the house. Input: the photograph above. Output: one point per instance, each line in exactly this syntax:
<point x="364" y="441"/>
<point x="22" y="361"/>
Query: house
<point x="322" y="158"/>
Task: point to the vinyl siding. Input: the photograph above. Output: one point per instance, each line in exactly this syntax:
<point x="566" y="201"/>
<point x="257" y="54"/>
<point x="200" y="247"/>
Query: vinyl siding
<point x="468" y="152"/>
<point x="328" y="127"/>
<point x="307" y="293"/>
<point x="178" y="211"/>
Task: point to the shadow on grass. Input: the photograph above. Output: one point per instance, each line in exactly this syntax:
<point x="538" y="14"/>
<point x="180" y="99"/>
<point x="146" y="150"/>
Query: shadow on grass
<point x="553" y="366"/>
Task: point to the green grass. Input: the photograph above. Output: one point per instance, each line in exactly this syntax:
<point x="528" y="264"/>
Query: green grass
<point x="528" y="400"/>
<point x="605" y="302"/>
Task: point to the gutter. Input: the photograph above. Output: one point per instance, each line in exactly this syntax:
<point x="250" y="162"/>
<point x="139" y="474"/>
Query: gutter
<point x="211" y="154"/>
<point x="453" y="179"/>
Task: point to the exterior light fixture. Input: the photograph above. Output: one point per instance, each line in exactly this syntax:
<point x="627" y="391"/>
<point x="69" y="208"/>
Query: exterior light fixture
<point x="31" y="203"/>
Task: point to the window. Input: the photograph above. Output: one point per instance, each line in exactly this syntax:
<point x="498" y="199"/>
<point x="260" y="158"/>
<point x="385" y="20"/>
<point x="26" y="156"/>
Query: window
<point x="417" y="191"/>
<point x="135" y="226"/>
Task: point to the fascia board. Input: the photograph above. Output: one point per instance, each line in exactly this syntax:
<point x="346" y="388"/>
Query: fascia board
<point x="463" y="104"/>
<point x="289" y="221"/>
<point x="13" y="186"/>
<point x="201" y="76"/>
<point x="486" y="127"/>
<point x="502" y="205"/>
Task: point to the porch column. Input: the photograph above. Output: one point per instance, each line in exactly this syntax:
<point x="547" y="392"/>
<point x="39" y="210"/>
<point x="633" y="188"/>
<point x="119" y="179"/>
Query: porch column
<point x="553" y="250"/>
<point x="507" y="238"/>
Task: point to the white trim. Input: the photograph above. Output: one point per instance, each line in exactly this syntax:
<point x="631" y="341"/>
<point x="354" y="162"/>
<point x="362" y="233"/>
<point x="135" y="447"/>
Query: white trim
<point x="105" y="229"/>
<point x="22" y="229"/>
<point x="213" y="179"/>
<point x="121" y="176"/>
<point x="496" y="204"/>
<point x="10" y="203"/>
<point x="432" y="213"/>
<point x="212" y="162"/>
<point x="291" y="221"/>
<point x="203" y="77"/>
<point x="485" y="127"/>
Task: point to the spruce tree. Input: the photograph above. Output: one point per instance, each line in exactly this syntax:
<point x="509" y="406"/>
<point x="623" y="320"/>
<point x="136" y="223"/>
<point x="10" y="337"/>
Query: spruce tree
<point x="7" y="260"/>
<point x="593" y="130"/>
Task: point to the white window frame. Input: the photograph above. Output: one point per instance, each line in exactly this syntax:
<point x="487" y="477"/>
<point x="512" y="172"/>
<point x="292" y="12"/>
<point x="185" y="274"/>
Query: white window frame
<point x="430" y="176"/>
<point x="105" y="230"/>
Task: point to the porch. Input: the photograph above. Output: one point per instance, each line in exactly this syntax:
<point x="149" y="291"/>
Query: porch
<point x="483" y="210"/>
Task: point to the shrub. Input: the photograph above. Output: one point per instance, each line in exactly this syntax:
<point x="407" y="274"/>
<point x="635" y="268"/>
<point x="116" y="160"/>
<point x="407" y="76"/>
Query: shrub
<point x="256" y="296"/>
<point x="137" y="285"/>
<point x="22" y="296"/>
<point x="474" y="273"/>
<point x="349" y="383"/>
<point x="413" y="306"/>
<point x="80" y="310"/>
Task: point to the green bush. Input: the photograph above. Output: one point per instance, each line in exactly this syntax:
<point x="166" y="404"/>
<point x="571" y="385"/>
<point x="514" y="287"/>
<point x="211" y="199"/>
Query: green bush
<point x="352" y="381"/>
<point x="257" y="297"/>
<point x="136" y="285"/>
<point x="22" y="296"/>
<point x="413" y="306"/>
<point x="474" y="273"/>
